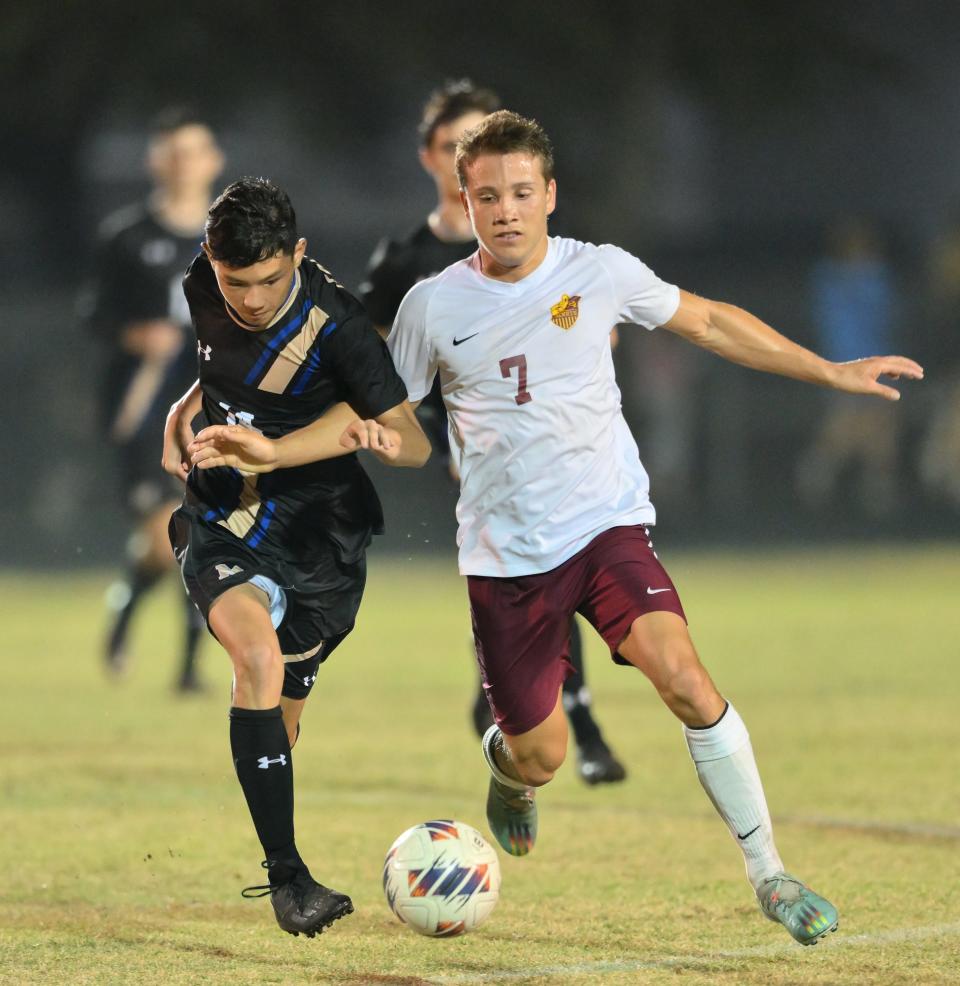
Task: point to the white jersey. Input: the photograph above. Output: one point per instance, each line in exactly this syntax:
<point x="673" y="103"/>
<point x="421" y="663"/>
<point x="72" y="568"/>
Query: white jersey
<point x="546" y="460"/>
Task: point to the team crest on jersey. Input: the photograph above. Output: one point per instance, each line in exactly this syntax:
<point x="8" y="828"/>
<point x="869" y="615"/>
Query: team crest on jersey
<point x="566" y="311"/>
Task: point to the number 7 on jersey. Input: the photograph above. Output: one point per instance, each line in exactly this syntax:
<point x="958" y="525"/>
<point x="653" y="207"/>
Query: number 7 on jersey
<point x="523" y="396"/>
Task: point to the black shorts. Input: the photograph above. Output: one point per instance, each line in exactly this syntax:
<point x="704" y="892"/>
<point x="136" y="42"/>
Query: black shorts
<point x="313" y="607"/>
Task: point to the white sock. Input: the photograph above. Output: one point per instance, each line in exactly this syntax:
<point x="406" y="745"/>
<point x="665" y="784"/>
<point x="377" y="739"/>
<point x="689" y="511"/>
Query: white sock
<point x="726" y="768"/>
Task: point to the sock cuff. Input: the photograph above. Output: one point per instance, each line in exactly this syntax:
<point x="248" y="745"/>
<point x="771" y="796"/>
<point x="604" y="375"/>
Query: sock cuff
<point x="253" y="714"/>
<point x="487" y="743"/>
<point x="727" y="735"/>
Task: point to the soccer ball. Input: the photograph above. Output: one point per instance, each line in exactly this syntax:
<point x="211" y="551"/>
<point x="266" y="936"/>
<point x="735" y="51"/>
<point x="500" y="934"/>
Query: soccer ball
<point x="441" y="878"/>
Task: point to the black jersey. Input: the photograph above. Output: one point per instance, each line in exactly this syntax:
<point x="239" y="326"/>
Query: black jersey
<point x="319" y="349"/>
<point x="396" y="266"/>
<point x="138" y="273"/>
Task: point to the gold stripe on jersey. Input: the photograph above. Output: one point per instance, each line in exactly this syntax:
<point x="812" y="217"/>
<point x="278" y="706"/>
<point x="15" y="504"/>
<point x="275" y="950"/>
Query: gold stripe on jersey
<point x="327" y="276"/>
<point x="294" y="353"/>
<point x="244" y="515"/>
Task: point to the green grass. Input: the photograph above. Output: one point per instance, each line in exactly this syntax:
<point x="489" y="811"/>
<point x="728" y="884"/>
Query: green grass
<point x="126" y="840"/>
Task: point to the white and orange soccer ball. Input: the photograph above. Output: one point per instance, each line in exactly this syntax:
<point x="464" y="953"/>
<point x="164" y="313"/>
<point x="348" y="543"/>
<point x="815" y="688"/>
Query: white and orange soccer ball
<point x="441" y="878"/>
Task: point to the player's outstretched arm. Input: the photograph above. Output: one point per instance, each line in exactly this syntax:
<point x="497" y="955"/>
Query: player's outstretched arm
<point x="391" y="437"/>
<point x="742" y="338"/>
<point x="177" y="433"/>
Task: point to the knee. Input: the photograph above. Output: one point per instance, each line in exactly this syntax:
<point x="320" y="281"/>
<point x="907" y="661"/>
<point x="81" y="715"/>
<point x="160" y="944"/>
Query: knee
<point x="675" y="671"/>
<point x="687" y="688"/>
<point x="256" y="661"/>
<point x="537" y="766"/>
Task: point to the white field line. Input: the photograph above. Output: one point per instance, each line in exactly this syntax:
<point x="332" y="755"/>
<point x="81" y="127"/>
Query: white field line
<point x="705" y="960"/>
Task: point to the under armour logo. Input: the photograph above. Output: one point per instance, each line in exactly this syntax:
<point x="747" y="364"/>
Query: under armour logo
<point x="204" y="351"/>
<point x="225" y="571"/>
<point x="264" y="762"/>
<point x="309" y="680"/>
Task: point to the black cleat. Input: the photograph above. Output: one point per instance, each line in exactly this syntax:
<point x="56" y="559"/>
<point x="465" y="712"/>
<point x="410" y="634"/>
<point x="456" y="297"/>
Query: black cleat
<point x="301" y="905"/>
<point x="596" y="763"/>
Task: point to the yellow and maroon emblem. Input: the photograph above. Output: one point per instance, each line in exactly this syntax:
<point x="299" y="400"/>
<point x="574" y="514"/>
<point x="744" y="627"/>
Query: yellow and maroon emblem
<point x="566" y="311"/>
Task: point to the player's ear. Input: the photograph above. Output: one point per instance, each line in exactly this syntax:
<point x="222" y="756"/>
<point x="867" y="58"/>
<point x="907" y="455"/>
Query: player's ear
<point x="424" y="155"/>
<point x="298" y="251"/>
<point x="206" y="250"/>
<point x="465" y="202"/>
<point x="551" y="195"/>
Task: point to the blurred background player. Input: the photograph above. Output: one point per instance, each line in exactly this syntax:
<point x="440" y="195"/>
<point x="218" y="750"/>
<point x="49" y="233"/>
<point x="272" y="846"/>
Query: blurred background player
<point x="854" y="309"/>
<point x="396" y="265"/>
<point x="137" y="308"/>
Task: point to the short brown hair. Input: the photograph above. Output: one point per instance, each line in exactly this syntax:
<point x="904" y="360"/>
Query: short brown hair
<point x="455" y="98"/>
<point x="504" y="132"/>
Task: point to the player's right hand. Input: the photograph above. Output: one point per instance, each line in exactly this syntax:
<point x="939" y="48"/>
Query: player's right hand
<point x="234" y="446"/>
<point x="384" y="442"/>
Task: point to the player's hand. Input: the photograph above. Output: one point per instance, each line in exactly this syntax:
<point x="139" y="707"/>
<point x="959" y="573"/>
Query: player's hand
<point x="862" y="376"/>
<point x="177" y="436"/>
<point x="384" y="442"/>
<point x="233" y="446"/>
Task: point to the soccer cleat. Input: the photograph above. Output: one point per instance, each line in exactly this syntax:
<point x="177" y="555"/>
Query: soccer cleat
<point x="596" y="763"/>
<point x="301" y="905"/>
<point x="806" y="915"/>
<point x="511" y="809"/>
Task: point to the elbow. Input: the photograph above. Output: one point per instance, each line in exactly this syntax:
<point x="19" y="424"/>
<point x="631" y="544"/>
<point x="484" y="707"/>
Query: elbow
<point x="422" y="454"/>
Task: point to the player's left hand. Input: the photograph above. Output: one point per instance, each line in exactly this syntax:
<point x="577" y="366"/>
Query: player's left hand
<point x="862" y="376"/>
<point x="384" y="442"/>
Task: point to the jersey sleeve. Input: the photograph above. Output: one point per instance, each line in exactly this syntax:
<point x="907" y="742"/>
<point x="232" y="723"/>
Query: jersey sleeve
<point x="640" y="296"/>
<point x="409" y="343"/>
<point x="362" y="365"/>
<point x="386" y="282"/>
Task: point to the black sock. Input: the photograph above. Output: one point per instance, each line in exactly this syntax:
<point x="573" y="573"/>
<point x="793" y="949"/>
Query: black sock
<point x="576" y="697"/>
<point x="261" y="756"/>
<point x="138" y="582"/>
<point x="195" y="626"/>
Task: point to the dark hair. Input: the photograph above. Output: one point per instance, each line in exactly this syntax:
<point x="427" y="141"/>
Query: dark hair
<point x="504" y="132"/>
<point x="455" y="98"/>
<point x="173" y="118"/>
<point x="251" y="221"/>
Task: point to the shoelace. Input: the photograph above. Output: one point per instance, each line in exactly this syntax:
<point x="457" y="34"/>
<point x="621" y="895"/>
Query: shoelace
<point x="265" y="888"/>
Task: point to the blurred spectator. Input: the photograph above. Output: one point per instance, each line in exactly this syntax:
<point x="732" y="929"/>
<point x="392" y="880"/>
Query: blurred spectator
<point x="136" y="306"/>
<point x="853" y="304"/>
<point x="940" y="448"/>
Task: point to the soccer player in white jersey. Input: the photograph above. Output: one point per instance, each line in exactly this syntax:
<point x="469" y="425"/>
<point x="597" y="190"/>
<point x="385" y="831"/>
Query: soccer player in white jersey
<point x="554" y="510"/>
<point x="554" y="503"/>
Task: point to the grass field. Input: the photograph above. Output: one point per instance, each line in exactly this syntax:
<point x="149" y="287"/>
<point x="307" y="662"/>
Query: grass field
<point x="126" y="841"/>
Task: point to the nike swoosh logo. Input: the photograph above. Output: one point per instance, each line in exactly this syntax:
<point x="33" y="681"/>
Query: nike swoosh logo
<point x="457" y="342"/>
<point x="653" y="592"/>
<point x="747" y="836"/>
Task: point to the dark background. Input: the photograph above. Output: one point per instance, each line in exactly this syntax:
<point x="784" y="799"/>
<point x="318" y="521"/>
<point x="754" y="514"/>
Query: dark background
<point x="716" y="141"/>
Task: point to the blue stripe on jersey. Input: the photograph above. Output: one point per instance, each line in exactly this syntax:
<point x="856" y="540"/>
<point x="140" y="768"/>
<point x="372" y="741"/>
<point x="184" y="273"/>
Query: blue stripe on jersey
<point x="278" y="340"/>
<point x="312" y="364"/>
<point x="262" y="524"/>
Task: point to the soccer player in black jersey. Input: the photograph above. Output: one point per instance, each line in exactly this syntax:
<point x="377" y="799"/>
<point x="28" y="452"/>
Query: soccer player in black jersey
<point x="394" y="268"/>
<point x="137" y="307"/>
<point x="273" y="554"/>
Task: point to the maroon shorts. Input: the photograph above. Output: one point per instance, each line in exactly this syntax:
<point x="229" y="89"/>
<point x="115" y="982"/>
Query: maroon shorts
<point x="522" y="625"/>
